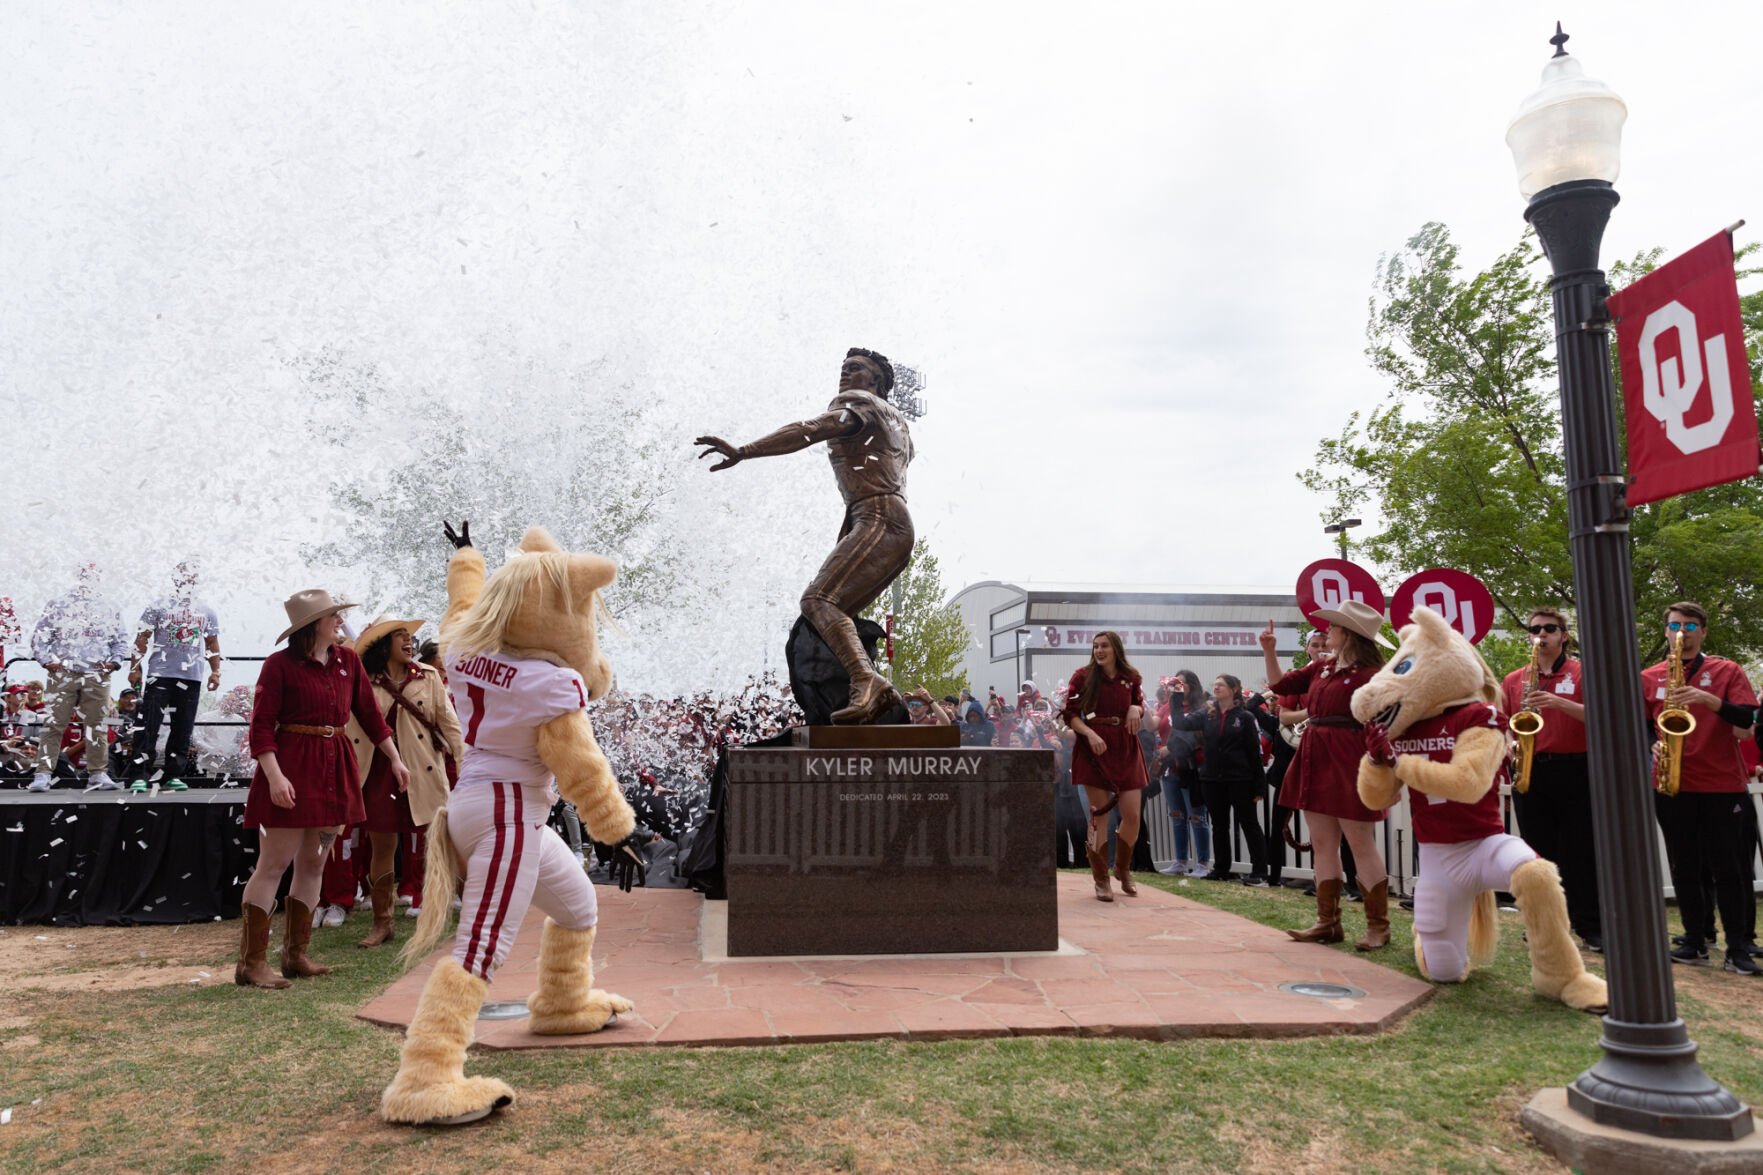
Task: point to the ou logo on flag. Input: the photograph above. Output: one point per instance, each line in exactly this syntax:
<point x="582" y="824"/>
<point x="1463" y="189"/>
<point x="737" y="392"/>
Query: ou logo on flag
<point x="1670" y="386"/>
<point x="1463" y="600"/>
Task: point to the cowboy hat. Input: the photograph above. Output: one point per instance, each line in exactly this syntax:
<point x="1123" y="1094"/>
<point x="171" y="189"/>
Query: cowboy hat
<point x="307" y="606"/>
<point x="1356" y="616"/>
<point x="384" y="626"/>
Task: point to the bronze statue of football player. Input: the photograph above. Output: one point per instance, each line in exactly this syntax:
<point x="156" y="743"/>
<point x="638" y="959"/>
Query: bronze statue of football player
<point x="870" y="445"/>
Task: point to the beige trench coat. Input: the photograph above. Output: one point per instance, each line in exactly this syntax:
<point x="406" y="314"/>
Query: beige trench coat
<point x="428" y="769"/>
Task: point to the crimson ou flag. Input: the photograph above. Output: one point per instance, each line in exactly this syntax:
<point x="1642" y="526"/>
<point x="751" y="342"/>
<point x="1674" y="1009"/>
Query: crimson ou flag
<point x="1685" y="380"/>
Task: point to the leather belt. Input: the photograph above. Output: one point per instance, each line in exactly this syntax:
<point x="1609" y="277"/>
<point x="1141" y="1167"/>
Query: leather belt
<point x="317" y="731"/>
<point x="1104" y="721"/>
<point x="1336" y="720"/>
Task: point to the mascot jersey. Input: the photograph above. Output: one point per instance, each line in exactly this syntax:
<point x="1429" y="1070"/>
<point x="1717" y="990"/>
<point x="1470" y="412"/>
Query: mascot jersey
<point x="1436" y="819"/>
<point x="502" y="701"/>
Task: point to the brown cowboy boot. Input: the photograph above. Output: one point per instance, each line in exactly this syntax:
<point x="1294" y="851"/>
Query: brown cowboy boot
<point x="384" y="892"/>
<point x="296" y="933"/>
<point x="1099" y="871"/>
<point x="1123" y="866"/>
<point x="253" y="970"/>
<point x="1328" y="915"/>
<point x="1377" y="918"/>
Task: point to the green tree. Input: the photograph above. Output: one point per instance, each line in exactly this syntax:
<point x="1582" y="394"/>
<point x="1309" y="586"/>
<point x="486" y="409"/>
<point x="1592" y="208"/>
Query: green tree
<point x="1463" y="460"/>
<point x="929" y="636"/>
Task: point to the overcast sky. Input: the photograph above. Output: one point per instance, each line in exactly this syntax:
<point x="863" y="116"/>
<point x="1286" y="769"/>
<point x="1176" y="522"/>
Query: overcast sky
<point x="1130" y="245"/>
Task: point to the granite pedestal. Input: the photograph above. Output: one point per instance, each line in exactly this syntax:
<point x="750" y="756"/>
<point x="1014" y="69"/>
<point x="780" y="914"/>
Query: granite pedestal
<point x="890" y="851"/>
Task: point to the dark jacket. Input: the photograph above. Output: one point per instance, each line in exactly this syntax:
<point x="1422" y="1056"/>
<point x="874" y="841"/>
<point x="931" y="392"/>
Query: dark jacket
<point x="1232" y="741"/>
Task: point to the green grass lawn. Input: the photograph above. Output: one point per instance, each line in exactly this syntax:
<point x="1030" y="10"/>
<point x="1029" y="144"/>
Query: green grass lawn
<point x="218" y="1078"/>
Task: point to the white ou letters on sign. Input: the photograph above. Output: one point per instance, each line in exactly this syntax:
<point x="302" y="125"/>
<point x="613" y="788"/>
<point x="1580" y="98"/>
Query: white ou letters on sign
<point x="1670" y="386"/>
<point x="1331" y="589"/>
<point x="1442" y="598"/>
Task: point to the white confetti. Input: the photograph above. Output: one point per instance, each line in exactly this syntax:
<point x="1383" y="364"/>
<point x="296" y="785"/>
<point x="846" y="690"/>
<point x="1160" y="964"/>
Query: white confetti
<point x="204" y="974"/>
<point x="6" y="1115"/>
<point x="55" y="842"/>
<point x="42" y="938"/>
<point x="142" y="843"/>
<point x="72" y="819"/>
<point x="19" y="828"/>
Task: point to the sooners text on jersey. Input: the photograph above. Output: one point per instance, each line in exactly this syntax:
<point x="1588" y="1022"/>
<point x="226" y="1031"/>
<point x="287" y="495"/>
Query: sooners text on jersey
<point x="1438" y="820"/>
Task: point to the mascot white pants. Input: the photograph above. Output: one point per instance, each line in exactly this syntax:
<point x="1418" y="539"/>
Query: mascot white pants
<point x="514" y="860"/>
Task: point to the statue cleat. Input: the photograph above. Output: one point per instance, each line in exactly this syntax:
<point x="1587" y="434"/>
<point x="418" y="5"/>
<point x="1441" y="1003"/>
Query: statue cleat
<point x="869" y="703"/>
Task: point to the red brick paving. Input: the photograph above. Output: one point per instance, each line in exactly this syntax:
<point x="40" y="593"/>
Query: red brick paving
<point x="1157" y="967"/>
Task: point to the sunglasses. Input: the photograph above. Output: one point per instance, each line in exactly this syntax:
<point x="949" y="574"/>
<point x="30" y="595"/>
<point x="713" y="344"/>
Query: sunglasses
<point x="1549" y="628"/>
<point x="1684" y="625"/>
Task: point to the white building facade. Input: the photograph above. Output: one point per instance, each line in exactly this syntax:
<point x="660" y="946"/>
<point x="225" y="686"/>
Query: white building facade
<point x="1041" y="632"/>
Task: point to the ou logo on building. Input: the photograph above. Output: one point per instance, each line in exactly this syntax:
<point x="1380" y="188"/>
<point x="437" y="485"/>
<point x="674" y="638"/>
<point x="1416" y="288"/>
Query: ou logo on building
<point x="1671" y="386"/>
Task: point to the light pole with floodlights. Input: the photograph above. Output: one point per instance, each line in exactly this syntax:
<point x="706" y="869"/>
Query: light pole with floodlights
<point x="1341" y="529"/>
<point x="1566" y="141"/>
<point x="1020" y="633"/>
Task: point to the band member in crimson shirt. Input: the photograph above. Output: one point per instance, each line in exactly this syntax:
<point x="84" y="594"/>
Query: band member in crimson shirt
<point x="1707" y="824"/>
<point x="1555" y="815"/>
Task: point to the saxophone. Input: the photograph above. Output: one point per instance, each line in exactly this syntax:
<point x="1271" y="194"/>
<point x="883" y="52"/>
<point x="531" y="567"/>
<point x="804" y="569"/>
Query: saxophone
<point x="1674" y="726"/>
<point x="1527" y="724"/>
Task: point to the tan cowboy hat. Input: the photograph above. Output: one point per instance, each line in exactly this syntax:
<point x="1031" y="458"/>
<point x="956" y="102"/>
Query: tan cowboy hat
<point x="307" y="606"/>
<point x="384" y="626"/>
<point x="1356" y="616"/>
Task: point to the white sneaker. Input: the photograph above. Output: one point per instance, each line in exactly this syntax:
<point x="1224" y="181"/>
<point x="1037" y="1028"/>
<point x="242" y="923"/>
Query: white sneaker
<point x="413" y="911"/>
<point x="404" y="899"/>
<point x="318" y="916"/>
<point x="1199" y="870"/>
<point x="334" y="916"/>
<point x="40" y="782"/>
<point x="101" y="781"/>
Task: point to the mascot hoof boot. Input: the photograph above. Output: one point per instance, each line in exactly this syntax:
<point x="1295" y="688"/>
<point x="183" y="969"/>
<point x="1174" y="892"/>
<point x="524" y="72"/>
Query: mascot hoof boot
<point x="431" y="1087"/>
<point x="1588" y="993"/>
<point x="567" y="1003"/>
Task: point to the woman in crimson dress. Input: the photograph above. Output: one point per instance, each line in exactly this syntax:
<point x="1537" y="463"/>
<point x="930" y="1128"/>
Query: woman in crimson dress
<point x="1323" y="781"/>
<point x="306" y="789"/>
<point x="1104" y="704"/>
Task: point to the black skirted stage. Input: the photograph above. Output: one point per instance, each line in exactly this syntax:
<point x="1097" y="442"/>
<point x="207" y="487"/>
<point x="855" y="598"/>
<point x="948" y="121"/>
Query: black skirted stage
<point x="72" y="858"/>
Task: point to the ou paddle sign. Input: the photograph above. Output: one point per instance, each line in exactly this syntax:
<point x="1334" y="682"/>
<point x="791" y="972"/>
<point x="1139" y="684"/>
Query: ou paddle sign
<point x="1329" y="583"/>
<point x="1463" y="600"/>
<point x="1685" y="379"/>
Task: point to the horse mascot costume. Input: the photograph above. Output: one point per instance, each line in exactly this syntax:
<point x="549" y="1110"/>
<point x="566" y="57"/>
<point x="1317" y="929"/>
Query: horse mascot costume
<point x="522" y="662"/>
<point x="1431" y="724"/>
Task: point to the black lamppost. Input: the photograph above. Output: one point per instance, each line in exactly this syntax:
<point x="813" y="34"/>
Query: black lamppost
<point x="1341" y="528"/>
<point x="1020" y="633"/>
<point x="1566" y="140"/>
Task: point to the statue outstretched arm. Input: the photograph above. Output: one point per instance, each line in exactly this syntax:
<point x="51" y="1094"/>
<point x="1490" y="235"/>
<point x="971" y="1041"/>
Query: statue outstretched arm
<point x="791" y="438"/>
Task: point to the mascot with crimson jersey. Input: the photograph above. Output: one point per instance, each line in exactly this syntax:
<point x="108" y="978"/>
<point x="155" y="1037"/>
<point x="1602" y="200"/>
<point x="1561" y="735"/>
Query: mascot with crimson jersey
<point x="1431" y="725"/>
<point x="522" y="662"/>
